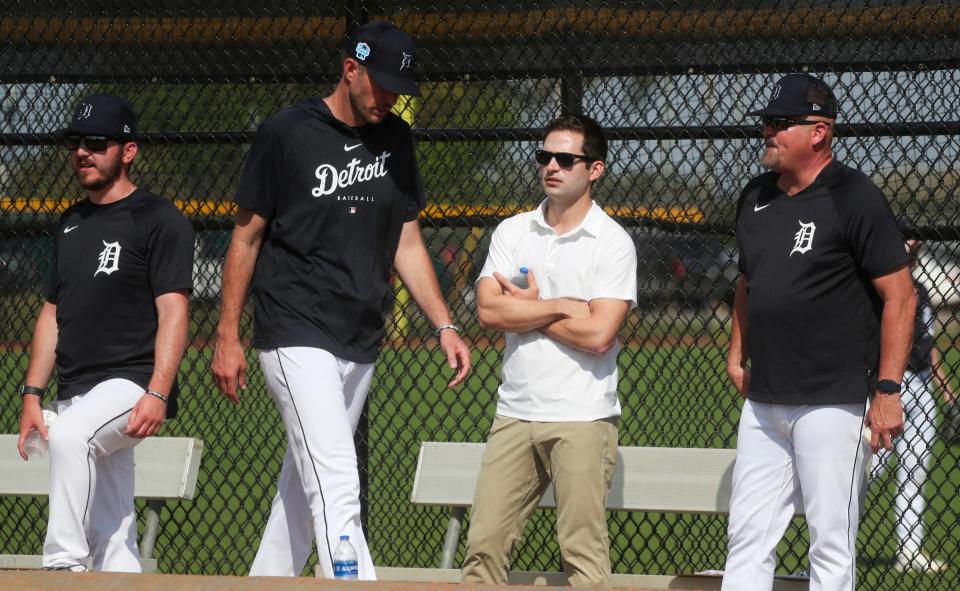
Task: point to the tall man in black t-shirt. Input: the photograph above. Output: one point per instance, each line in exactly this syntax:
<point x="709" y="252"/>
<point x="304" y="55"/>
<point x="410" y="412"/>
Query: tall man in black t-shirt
<point x="114" y="324"/>
<point x="824" y="312"/>
<point x="328" y="206"/>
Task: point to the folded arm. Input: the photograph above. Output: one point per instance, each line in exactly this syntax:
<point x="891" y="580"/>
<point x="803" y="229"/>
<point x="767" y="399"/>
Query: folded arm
<point x="506" y="307"/>
<point x="595" y="333"/>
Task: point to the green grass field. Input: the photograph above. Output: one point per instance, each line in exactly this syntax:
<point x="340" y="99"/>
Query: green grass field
<point x="672" y="396"/>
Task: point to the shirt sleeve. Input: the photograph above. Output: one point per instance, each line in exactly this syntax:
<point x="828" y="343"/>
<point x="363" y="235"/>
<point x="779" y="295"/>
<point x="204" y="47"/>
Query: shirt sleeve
<point x="872" y="232"/>
<point x="616" y="276"/>
<point x="259" y="185"/>
<point x="170" y="247"/>
<point x="499" y="257"/>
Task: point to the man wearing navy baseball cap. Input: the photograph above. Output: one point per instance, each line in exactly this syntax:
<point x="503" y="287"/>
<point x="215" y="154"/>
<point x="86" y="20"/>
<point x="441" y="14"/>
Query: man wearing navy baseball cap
<point x="822" y="319"/>
<point x="114" y="325"/>
<point x="387" y="53"/>
<point x="327" y="209"/>
<point x="796" y="95"/>
<point x="105" y="115"/>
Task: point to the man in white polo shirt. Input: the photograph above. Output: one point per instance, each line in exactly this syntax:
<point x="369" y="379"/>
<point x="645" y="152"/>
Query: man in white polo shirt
<point x="559" y="281"/>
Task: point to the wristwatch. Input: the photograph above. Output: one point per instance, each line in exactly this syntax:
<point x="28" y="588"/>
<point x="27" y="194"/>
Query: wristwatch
<point x="888" y="387"/>
<point x="32" y="390"/>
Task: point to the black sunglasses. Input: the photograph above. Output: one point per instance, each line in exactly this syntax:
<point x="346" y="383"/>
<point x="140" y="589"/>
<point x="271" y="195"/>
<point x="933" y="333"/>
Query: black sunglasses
<point x="93" y="143"/>
<point x="781" y="123"/>
<point x="564" y="159"/>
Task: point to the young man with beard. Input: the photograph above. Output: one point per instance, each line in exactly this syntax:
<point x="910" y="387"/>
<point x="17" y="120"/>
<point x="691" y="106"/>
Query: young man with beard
<point x="328" y="207"/>
<point x="824" y="313"/>
<point x="559" y="282"/>
<point x="114" y="324"/>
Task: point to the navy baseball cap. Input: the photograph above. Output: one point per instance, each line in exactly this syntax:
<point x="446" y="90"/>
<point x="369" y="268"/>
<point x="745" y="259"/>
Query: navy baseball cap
<point x="797" y="95"/>
<point x="103" y="114"/>
<point x="388" y="54"/>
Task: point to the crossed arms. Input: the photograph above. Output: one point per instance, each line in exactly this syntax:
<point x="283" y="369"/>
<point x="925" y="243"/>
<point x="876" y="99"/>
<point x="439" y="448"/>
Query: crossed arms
<point x="588" y="326"/>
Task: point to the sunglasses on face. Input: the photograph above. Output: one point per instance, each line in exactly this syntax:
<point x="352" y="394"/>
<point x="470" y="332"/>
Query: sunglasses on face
<point x="781" y="123"/>
<point x="564" y="159"/>
<point x="92" y="143"/>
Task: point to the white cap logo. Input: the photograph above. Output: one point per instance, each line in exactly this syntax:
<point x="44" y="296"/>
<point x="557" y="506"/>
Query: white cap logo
<point x="776" y="92"/>
<point x="407" y="61"/>
<point x="126" y="129"/>
<point x="86" y="109"/>
<point x="816" y="107"/>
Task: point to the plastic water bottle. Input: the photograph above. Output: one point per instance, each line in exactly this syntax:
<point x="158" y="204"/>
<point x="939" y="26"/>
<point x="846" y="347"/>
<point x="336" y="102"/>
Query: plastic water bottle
<point x="521" y="279"/>
<point x="35" y="445"/>
<point x="345" y="565"/>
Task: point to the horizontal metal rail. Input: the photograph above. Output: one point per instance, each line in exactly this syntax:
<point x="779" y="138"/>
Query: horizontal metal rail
<point x="528" y="134"/>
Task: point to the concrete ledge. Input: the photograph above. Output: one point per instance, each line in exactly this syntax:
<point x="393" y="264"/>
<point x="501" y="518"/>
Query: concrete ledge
<point x="35" y="562"/>
<point x="554" y="579"/>
<point x="60" y="581"/>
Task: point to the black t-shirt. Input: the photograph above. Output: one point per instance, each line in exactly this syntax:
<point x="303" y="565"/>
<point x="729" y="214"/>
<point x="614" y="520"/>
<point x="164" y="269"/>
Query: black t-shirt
<point x="336" y="198"/>
<point x="814" y="317"/>
<point x="922" y="333"/>
<point x="110" y="263"/>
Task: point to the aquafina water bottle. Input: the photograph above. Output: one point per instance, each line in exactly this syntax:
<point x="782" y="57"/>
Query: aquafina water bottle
<point x="36" y="446"/>
<point x="345" y="566"/>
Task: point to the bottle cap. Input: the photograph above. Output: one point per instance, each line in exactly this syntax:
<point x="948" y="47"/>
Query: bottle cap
<point x="342" y="538"/>
<point x="524" y="270"/>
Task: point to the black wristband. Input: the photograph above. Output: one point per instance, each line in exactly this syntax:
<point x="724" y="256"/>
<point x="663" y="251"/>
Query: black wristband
<point x="888" y="387"/>
<point x="32" y="390"/>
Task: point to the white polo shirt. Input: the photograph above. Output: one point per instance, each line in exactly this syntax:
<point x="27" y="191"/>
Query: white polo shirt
<point x="543" y="379"/>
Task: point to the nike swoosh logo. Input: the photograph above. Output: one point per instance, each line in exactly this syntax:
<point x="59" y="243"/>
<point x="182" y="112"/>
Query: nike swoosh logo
<point x="69" y="229"/>
<point x="758" y="208"/>
<point x="347" y="148"/>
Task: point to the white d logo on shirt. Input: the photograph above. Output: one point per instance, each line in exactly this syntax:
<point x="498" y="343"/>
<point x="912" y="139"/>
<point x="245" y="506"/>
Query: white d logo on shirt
<point x="803" y="239"/>
<point x="109" y="258"/>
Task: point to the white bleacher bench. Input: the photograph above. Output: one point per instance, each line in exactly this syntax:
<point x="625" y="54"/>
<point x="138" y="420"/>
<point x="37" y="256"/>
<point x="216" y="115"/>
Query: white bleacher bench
<point x="650" y="479"/>
<point x="166" y="469"/>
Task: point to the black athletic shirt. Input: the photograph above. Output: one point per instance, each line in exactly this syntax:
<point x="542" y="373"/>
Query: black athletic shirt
<point x="814" y="317"/>
<point x="336" y="198"/>
<point x="110" y="263"/>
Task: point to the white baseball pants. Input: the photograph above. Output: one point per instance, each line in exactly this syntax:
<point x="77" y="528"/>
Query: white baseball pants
<point x="320" y="398"/>
<point x="783" y="452"/>
<point x="91" y="481"/>
<point x="914" y="451"/>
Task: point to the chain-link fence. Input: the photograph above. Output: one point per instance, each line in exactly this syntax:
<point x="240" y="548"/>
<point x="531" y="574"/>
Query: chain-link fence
<point x="672" y="83"/>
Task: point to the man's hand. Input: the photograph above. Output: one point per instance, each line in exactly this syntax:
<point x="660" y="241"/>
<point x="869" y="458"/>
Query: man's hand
<point x="885" y="419"/>
<point x="229" y="368"/>
<point x="532" y="292"/>
<point x="146" y="417"/>
<point x="574" y="308"/>
<point x="30" y="418"/>
<point x="458" y="355"/>
<point x="740" y="377"/>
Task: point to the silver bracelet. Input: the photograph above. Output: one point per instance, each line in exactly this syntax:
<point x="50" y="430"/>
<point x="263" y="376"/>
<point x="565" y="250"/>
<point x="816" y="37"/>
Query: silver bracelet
<point x="156" y="394"/>
<point x="442" y="327"/>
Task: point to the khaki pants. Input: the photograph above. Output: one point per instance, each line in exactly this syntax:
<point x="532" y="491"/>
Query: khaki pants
<point x="520" y="461"/>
